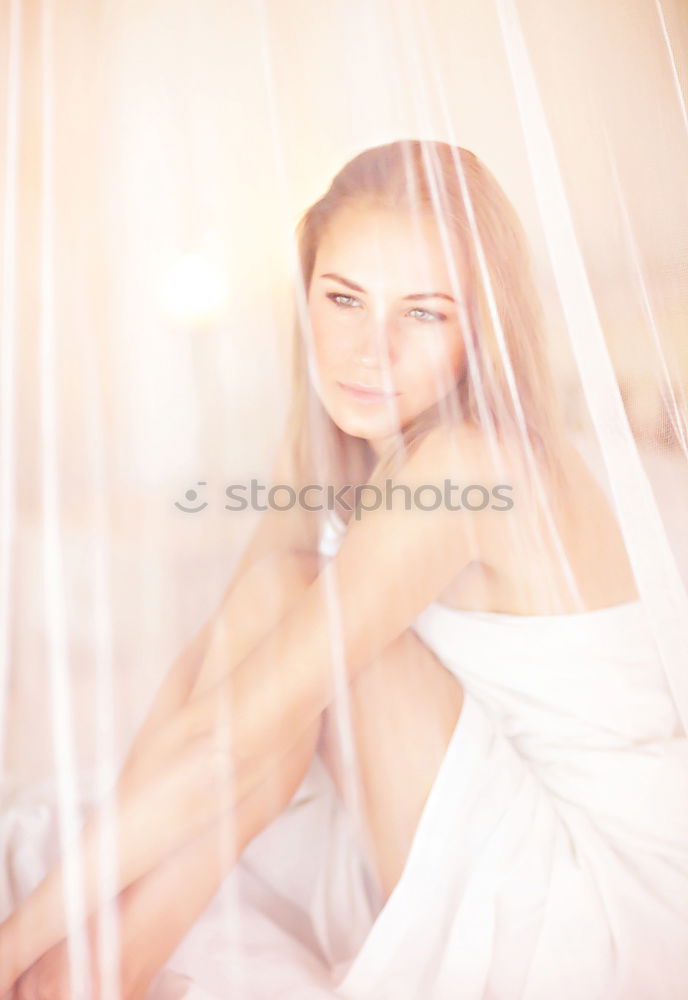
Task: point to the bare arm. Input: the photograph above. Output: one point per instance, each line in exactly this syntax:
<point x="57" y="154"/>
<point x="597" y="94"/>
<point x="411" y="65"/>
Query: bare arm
<point x="391" y="564"/>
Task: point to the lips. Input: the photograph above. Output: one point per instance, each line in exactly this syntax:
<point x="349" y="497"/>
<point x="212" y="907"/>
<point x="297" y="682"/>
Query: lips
<point x="371" y="393"/>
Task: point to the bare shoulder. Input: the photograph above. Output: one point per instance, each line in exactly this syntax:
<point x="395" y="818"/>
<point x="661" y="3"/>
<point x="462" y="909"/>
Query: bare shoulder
<point x="449" y="448"/>
<point x="457" y="467"/>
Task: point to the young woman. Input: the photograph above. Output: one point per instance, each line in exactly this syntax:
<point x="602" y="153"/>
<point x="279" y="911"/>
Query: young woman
<point x="493" y="664"/>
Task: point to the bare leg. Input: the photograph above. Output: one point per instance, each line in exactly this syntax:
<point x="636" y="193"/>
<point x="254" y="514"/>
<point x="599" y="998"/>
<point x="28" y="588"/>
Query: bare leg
<point x="252" y="609"/>
<point x="258" y="600"/>
<point x="190" y="878"/>
<point x="403" y="709"/>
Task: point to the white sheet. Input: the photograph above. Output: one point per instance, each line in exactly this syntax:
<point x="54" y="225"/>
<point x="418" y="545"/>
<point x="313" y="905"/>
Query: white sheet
<point x="550" y="860"/>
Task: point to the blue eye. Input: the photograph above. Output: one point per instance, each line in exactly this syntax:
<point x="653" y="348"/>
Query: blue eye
<point x="336" y="296"/>
<point x="433" y="316"/>
<point x="339" y="295"/>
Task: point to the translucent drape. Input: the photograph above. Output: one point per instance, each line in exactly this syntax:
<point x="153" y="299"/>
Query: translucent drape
<point x="155" y="161"/>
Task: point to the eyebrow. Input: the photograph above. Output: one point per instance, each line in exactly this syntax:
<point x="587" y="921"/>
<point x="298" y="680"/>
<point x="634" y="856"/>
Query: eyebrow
<point x="416" y="295"/>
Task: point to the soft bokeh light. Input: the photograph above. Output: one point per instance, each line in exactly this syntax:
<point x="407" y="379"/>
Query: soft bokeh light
<point x="193" y="292"/>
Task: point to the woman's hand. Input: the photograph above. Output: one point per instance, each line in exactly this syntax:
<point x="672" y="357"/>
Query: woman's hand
<point x="48" y="978"/>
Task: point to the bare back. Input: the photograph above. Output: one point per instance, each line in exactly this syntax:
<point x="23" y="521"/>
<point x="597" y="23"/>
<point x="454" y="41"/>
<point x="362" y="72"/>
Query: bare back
<point x="515" y="576"/>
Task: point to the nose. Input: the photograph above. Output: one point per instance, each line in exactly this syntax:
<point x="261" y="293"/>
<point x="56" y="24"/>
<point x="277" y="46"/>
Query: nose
<point x="376" y="348"/>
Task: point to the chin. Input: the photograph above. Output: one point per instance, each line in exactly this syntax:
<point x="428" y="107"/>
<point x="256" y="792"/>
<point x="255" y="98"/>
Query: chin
<point x="365" y="428"/>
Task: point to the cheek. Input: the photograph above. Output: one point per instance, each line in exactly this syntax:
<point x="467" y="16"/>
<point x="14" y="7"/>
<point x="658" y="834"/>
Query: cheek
<point x="322" y="344"/>
<point x="432" y="361"/>
<point x="331" y="343"/>
<point x="327" y="349"/>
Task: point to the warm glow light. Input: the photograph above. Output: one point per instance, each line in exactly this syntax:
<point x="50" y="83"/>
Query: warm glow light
<point x="193" y="292"/>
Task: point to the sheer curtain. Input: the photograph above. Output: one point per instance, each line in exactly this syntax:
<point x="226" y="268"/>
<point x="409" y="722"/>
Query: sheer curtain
<point x="156" y="158"/>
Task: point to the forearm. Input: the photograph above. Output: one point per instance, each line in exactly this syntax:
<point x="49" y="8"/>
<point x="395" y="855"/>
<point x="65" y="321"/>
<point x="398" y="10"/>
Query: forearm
<point x="158" y="909"/>
<point x="171" y="898"/>
<point x="150" y="823"/>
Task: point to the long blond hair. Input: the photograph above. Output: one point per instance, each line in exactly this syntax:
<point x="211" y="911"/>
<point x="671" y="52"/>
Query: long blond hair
<point x="507" y="384"/>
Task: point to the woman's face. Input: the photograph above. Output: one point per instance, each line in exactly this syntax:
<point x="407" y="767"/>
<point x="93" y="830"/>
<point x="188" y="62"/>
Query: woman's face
<point x="384" y="316"/>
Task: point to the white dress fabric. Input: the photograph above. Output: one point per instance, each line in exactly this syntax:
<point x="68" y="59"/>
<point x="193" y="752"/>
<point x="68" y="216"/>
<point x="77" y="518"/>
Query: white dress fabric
<point x="550" y="859"/>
